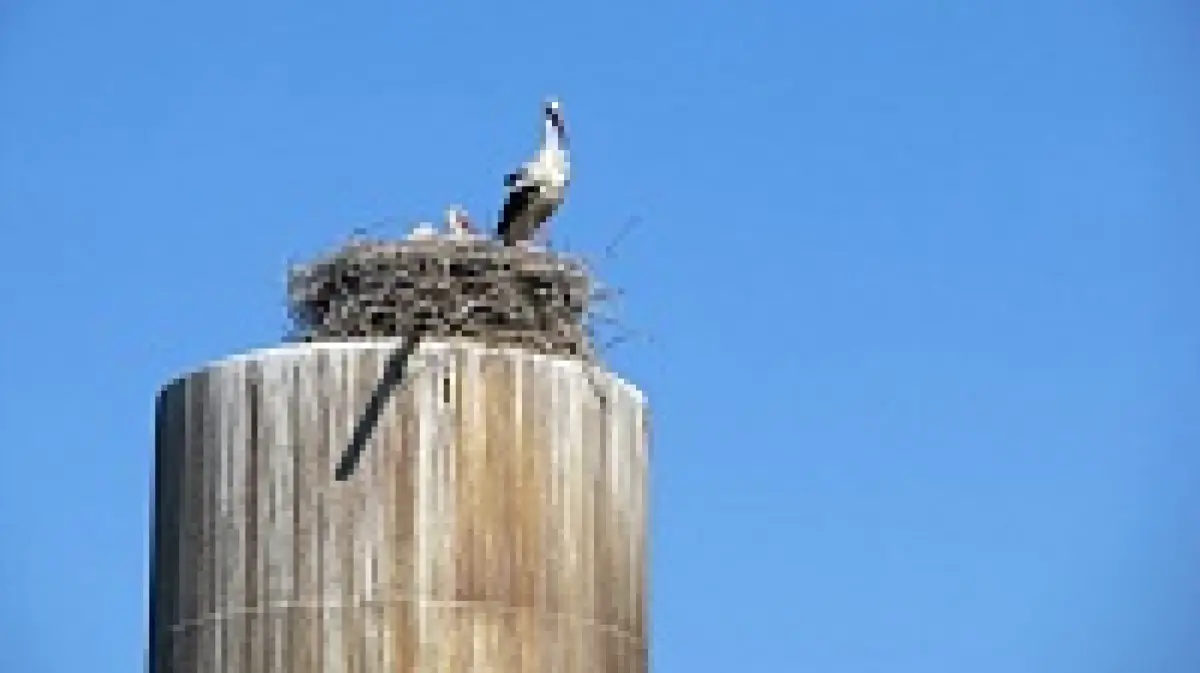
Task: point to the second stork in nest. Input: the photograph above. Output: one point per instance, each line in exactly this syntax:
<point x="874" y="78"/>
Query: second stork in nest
<point x="537" y="188"/>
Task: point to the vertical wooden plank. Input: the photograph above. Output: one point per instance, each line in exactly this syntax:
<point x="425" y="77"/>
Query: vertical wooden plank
<point x="256" y="517"/>
<point x="323" y="460"/>
<point x="404" y="610"/>
<point x="170" y="437"/>
<point x="424" y="647"/>
<point x="332" y="523"/>
<point x="267" y="513"/>
<point x="349" y="515"/>
<point x="222" y="551"/>
<point x="283" y="527"/>
<point x="190" y="552"/>
<point x="202" y="631"/>
<point x="369" y="577"/>
<point x="314" y="475"/>
<point x="641" y="537"/>
<point x="377" y="575"/>
<point x="154" y="637"/>
<point x="455" y="450"/>
<point x="241" y="384"/>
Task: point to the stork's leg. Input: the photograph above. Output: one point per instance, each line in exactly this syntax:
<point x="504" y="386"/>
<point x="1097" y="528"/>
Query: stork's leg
<point x="543" y="236"/>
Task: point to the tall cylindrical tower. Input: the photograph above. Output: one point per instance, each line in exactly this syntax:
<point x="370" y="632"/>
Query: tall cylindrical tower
<point x="382" y="505"/>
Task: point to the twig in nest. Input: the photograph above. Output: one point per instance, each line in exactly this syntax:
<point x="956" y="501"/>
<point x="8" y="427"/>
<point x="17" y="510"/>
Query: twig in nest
<point x="627" y="334"/>
<point x="611" y="248"/>
<point x="363" y="231"/>
<point x="603" y="293"/>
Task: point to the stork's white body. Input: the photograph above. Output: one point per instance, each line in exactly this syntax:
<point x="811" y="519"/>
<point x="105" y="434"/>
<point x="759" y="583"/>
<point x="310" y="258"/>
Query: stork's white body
<point x="538" y="188"/>
<point x="423" y="231"/>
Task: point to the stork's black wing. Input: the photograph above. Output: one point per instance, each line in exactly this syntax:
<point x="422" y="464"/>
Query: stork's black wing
<point x="519" y="200"/>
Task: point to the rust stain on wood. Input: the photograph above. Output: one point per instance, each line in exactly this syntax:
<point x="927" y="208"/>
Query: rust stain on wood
<point x="495" y="521"/>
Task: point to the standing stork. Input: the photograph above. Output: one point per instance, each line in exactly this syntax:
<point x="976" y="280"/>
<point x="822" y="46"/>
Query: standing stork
<point x="537" y="188"/>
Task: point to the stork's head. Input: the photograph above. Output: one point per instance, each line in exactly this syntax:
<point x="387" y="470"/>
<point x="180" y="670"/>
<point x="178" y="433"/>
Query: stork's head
<point x="554" y="119"/>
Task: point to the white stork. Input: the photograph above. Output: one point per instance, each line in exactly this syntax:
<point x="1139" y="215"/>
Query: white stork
<point x="537" y="188"/>
<point x="422" y="232"/>
<point x="458" y="225"/>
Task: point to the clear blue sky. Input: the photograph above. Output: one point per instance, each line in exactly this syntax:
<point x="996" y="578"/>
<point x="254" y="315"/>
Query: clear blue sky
<point x="922" y="278"/>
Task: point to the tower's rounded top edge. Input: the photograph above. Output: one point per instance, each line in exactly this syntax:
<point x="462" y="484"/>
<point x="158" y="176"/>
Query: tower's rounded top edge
<point x="427" y="346"/>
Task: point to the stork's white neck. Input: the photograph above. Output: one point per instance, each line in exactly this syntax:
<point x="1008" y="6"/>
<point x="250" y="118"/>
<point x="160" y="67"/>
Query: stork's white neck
<point x="551" y="136"/>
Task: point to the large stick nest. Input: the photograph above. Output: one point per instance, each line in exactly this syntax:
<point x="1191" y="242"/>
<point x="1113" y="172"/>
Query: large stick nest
<point x="443" y="288"/>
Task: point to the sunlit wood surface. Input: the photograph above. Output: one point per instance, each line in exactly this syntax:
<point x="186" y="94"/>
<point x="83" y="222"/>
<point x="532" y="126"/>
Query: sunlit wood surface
<point x="494" y="521"/>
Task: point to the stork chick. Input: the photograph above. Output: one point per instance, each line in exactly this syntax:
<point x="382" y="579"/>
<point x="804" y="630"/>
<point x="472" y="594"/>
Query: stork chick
<point x="423" y="232"/>
<point x="458" y="225"/>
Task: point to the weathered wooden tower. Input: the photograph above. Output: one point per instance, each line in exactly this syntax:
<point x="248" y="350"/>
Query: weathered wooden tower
<point x="434" y="475"/>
